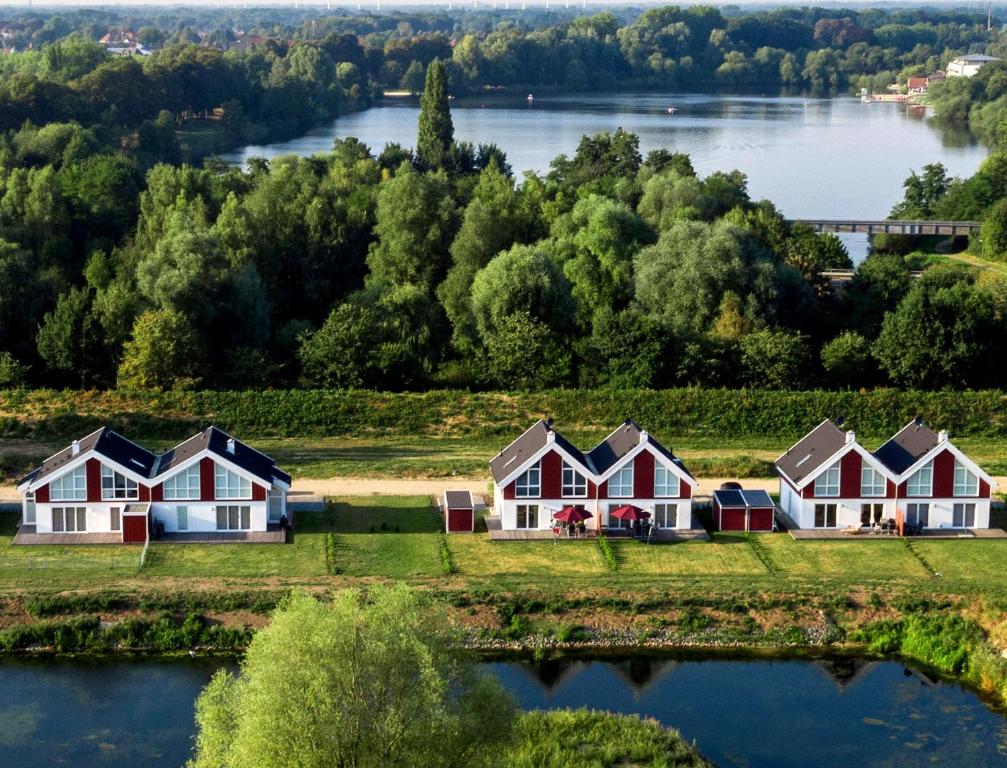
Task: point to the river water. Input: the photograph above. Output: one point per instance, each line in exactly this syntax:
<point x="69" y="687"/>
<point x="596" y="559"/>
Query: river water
<point x="753" y="714"/>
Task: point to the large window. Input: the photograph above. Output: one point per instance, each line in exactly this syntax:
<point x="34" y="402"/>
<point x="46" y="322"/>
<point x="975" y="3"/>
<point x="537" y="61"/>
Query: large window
<point x="872" y="482"/>
<point x="825" y="515"/>
<point x="228" y="485"/>
<point x="117" y="486"/>
<point x="827" y="483"/>
<point x="966" y="483"/>
<point x="184" y="485"/>
<point x="574" y="483"/>
<point x="666" y="515"/>
<point x="964" y="516"/>
<point x="234" y="518"/>
<point x="529" y="484"/>
<point x="527" y="515"/>
<point x="918" y="514"/>
<point x="871" y="514"/>
<point x="69" y="519"/>
<point x="69" y="487"/>
<point x="665" y="482"/>
<point x="921" y="482"/>
<point x="621" y="483"/>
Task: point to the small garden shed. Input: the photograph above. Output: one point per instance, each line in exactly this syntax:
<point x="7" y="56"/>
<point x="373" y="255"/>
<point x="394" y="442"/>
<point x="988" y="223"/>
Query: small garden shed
<point x="459" y="512"/>
<point x="740" y="510"/>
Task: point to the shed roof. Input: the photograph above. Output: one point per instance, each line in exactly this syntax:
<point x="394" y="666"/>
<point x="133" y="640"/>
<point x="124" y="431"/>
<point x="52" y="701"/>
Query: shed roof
<point x="744" y="498"/>
<point x="458" y="499"/>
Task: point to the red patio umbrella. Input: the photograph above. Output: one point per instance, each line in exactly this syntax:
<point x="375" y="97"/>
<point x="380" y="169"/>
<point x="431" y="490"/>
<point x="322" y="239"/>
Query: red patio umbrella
<point x="572" y="515"/>
<point x="629" y="512"/>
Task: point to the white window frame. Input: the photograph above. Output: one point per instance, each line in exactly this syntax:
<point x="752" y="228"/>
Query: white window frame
<point x="115" y="486"/>
<point x="960" y="511"/>
<point x="574" y="483"/>
<point x="71" y="519"/>
<point x="115" y="519"/>
<point x="529" y="483"/>
<point x="230" y="485"/>
<point x="530" y="513"/>
<point x="237" y="517"/>
<point x="872" y="482"/>
<point x="620" y="485"/>
<point x="77" y="491"/>
<point x="825" y="515"/>
<point x="173" y="490"/>
<point x="666" y="482"/>
<point x="827" y="483"/>
<point x="913" y="513"/>
<point x="915" y="486"/>
<point x="182" y="517"/>
<point x="966" y="482"/>
<point x="661" y="512"/>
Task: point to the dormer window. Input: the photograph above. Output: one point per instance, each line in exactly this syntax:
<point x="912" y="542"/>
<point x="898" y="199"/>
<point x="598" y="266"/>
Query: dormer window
<point x="966" y="483"/>
<point x="574" y="483"/>
<point x="827" y="483"/>
<point x="115" y="485"/>
<point x="921" y="483"/>
<point x="529" y="484"/>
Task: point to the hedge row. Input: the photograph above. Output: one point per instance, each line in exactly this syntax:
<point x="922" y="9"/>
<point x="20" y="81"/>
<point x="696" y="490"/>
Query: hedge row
<point x="278" y="413"/>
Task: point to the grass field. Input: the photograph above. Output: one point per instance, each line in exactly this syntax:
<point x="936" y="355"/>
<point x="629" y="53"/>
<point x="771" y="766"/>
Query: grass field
<point x="397" y="537"/>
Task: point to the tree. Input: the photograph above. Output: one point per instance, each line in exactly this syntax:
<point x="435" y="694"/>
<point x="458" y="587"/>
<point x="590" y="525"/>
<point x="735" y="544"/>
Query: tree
<point x="436" y="131"/>
<point x="414" y="78"/>
<point x="879" y="284"/>
<point x="361" y="683"/>
<point x="774" y="360"/>
<point x="164" y="353"/>
<point x="847" y="361"/>
<point x="524" y="353"/>
<point x="69" y="339"/>
<point x="993" y="235"/>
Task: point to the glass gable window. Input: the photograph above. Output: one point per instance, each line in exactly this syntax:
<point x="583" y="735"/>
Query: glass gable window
<point x="966" y="483"/>
<point x="117" y="486"/>
<point x="574" y="483"/>
<point x="530" y="483"/>
<point x="827" y="483"/>
<point x="228" y="485"/>
<point x="69" y="487"/>
<point x="921" y="482"/>
<point x="621" y="483"/>
<point x="665" y="482"/>
<point x="184" y="485"/>
<point x="872" y="482"/>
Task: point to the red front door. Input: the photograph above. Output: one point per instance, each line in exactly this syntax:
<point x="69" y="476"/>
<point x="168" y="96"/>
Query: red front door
<point x="134" y="529"/>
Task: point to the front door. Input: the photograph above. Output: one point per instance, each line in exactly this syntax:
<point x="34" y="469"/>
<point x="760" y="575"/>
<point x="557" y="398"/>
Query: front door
<point x="275" y="505"/>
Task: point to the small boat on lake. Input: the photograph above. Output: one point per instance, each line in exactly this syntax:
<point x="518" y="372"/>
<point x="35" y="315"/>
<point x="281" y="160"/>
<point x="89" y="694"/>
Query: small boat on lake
<point x="672" y="110"/>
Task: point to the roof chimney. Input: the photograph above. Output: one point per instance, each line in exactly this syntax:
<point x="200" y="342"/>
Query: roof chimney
<point x="851" y="436"/>
<point x="643" y="435"/>
<point x="550" y="436"/>
<point x="230" y="445"/>
<point x="942" y="436"/>
<point x="75" y="447"/>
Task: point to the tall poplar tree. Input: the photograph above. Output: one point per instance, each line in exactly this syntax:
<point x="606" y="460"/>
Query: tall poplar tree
<point x="436" y="132"/>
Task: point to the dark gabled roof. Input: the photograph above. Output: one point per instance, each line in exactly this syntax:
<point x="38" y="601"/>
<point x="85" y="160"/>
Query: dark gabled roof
<point x="811" y="451"/>
<point x="458" y="499"/>
<point x="531" y="441"/>
<point x="743" y="498"/>
<point x="912" y="443"/>
<point x="104" y="442"/>
<point x="623" y="440"/>
<point x="215" y="440"/>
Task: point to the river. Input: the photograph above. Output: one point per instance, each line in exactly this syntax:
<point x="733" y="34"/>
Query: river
<point x="757" y="714"/>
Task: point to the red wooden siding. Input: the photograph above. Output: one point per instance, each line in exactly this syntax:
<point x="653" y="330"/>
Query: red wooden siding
<point x="984" y="489"/>
<point x="93" y="473"/>
<point x="944" y="475"/>
<point x="144" y="492"/>
<point x="889" y="489"/>
<point x="42" y="493"/>
<point x="134" y="529"/>
<point x="206" y="479"/>
<point x="902" y="490"/>
<point x="684" y="489"/>
<point x="258" y="492"/>
<point x="808" y="492"/>
<point x="591" y="489"/>
<point x="732" y="519"/>
<point x="760" y="519"/>
<point x="643" y="475"/>
<point x="849" y="475"/>
<point x="552" y="476"/>
<point x="509" y="491"/>
<point x="603" y="489"/>
<point x="459" y="520"/>
<point x="157" y="492"/>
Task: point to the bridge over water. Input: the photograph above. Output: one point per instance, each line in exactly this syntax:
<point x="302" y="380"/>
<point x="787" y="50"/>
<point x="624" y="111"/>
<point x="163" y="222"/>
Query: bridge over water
<point x="892" y="226"/>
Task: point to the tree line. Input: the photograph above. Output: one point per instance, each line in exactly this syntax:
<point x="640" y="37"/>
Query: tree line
<point x="408" y="269"/>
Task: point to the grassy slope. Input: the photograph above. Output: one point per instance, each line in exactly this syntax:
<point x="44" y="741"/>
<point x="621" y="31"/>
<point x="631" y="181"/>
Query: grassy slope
<point x="730" y="562"/>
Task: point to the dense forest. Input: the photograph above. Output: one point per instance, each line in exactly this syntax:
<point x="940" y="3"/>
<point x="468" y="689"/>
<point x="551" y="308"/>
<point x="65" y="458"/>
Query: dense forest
<point x="406" y="268"/>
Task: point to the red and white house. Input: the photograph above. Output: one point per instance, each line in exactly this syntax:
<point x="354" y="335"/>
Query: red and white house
<point x="541" y="472"/>
<point x="106" y="484"/>
<point x="828" y="480"/>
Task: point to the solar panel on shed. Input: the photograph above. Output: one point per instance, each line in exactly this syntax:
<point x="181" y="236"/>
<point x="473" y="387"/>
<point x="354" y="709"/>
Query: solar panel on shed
<point x="729" y="498"/>
<point x="757" y="498"/>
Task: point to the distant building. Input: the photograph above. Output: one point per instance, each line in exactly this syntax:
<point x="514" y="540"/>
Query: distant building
<point x="966" y="66"/>
<point x="916" y="86"/>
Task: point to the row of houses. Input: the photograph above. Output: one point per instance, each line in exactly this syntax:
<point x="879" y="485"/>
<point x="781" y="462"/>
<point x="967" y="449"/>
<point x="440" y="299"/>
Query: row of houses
<point x="106" y="488"/>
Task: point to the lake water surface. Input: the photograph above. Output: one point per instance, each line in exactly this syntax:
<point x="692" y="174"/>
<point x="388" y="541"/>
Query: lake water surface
<point x="89" y="714"/>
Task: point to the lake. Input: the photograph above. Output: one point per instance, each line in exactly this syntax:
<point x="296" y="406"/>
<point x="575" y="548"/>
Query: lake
<point x="785" y="714"/>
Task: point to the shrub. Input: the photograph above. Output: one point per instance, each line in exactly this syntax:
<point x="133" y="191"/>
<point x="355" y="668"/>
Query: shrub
<point x="447" y="565"/>
<point x="606" y="553"/>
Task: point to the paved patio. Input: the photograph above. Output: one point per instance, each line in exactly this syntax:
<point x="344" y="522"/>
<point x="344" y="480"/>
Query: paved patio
<point x="810" y="534"/>
<point x="27" y="535"/>
<point x="695" y="533"/>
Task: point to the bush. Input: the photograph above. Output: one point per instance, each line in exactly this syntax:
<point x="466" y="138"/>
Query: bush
<point x="606" y="553"/>
<point x="447" y="565"/>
